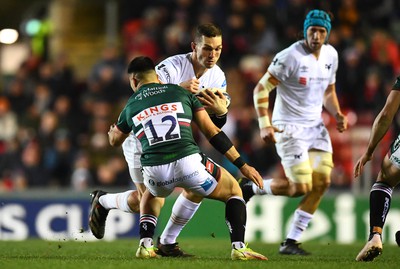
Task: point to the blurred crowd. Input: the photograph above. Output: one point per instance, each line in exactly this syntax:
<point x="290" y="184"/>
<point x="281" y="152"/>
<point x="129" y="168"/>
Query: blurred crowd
<point x="53" y="127"/>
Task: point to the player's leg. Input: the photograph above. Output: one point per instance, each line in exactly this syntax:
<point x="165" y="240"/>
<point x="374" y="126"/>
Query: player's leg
<point x="160" y="182"/>
<point x="320" y="178"/>
<point x="183" y="210"/>
<point x="150" y="207"/>
<point x="379" y="202"/>
<point x="228" y="191"/>
<point x="102" y="202"/>
<point x="273" y="186"/>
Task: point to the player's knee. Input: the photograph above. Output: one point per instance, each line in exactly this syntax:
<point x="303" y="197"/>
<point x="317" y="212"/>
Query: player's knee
<point x="227" y="187"/>
<point x="134" y="201"/>
<point x="189" y="195"/>
<point x="322" y="178"/>
<point x="321" y="186"/>
<point x="299" y="189"/>
<point x="301" y="176"/>
<point x="321" y="182"/>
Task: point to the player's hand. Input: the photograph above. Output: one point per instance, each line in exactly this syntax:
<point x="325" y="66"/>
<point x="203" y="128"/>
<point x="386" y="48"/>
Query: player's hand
<point x="341" y="122"/>
<point x="360" y="164"/>
<point x="112" y="127"/>
<point x="268" y="134"/>
<point x="213" y="102"/>
<point x="191" y="85"/>
<point x="252" y="174"/>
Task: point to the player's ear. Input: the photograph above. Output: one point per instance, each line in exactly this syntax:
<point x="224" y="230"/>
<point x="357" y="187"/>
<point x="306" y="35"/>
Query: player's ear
<point x="134" y="82"/>
<point x="193" y="45"/>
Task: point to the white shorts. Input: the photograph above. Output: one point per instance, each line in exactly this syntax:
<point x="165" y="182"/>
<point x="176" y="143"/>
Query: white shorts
<point x="394" y="152"/>
<point x="195" y="173"/>
<point x="294" y="143"/>
<point x="132" y="150"/>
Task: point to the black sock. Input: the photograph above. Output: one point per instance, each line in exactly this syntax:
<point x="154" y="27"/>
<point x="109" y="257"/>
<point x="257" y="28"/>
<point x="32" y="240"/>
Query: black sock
<point x="235" y="217"/>
<point x="147" y="226"/>
<point x="379" y="202"/>
<point x="288" y="241"/>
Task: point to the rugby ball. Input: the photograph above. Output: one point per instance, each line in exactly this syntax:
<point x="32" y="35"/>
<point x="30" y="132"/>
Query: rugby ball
<point x="223" y="91"/>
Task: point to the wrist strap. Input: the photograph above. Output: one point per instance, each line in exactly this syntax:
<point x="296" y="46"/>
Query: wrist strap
<point x="239" y="162"/>
<point x="264" y="122"/>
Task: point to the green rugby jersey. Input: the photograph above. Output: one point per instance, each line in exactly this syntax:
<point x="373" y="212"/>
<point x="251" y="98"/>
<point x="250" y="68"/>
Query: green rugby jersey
<point x="160" y="115"/>
<point x="396" y="85"/>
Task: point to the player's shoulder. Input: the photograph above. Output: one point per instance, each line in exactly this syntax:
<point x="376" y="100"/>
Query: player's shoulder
<point x="330" y="50"/>
<point x="174" y="60"/>
<point x="293" y="49"/>
<point x="289" y="54"/>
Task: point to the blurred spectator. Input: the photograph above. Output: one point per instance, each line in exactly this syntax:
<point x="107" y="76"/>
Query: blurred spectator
<point x="348" y="13"/>
<point x="351" y="75"/>
<point x="211" y="11"/>
<point x="106" y="77"/>
<point x="385" y="52"/>
<point x="8" y="123"/>
<point x="63" y="76"/>
<point x="69" y="117"/>
<point x="113" y="172"/>
<point x="263" y="38"/>
<point x="30" y="172"/>
<point x="82" y="176"/>
<point x="42" y="100"/>
<point x="59" y="159"/>
<point x="377" y="13"/>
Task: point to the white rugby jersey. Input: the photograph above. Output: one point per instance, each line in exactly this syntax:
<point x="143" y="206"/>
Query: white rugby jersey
<point x="303" y="81"/>
<point x="175" y="69"/>
<point x="179" y="68"/>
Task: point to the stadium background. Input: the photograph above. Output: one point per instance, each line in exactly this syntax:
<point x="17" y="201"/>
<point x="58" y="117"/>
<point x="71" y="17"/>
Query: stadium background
<point x="63" y="82"/>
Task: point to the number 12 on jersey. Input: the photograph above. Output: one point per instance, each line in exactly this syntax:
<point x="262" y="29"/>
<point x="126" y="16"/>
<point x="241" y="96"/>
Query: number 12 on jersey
<point x="160" y="123"/>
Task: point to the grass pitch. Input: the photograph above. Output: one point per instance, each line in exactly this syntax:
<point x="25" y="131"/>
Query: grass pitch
<point x="210" y="253"/>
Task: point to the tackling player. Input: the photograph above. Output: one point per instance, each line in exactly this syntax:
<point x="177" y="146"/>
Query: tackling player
<point x="304" y="77"/>
<point x="198" y="73"/>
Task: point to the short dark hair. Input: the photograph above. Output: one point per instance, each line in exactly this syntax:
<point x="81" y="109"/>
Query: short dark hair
<point x="207" y="30"/>
<point x="141" y="64"/>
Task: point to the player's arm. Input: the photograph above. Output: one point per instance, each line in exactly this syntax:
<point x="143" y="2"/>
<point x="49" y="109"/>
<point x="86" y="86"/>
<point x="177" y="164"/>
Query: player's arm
<point x="224" y="145"/>
<point x="379" y="128"/>
<point x="115" y="136"/>
<point x="384" y="120"/>
<point x="261" y="103"/>
<point x="261" y="98"/>
<point x="331" y="103"/>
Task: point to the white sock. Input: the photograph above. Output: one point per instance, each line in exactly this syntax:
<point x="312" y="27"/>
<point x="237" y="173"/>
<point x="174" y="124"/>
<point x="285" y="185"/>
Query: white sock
<point x="147" y="242"/>
<point x="182" y="211"/>
<point x="300" y="222"/>
<point x="238" y="245"/>
<point x="266" y="190"/>
<point x="116" y="201"/>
